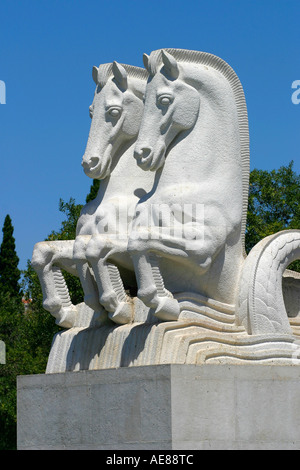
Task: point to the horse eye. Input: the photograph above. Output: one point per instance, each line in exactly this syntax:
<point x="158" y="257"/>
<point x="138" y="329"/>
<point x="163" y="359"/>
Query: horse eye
<point x="164" y="100"/>
<point x="114" y="112"/>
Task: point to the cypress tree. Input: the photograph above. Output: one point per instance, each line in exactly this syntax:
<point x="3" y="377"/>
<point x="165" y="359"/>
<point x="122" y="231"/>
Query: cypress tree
<point x="9" y="272"/>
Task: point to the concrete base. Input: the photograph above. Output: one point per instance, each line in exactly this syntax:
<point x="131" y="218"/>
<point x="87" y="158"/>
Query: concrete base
<point x="162" y="407"/>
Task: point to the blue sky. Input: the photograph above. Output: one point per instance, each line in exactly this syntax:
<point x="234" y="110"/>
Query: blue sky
<point x="48" y="48"/>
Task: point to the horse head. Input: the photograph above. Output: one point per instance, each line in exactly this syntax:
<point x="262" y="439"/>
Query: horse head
<point x="171" y="107"/>
<point x="116" y="114"/>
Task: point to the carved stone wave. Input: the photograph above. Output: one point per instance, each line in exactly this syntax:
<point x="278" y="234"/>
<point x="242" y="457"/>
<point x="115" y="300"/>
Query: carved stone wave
<point x="205" y="332"/>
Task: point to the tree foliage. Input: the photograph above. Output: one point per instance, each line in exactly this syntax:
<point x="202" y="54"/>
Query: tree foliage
<point x="10" y="332"/>
<point x="93" y="191"/>
<point x="273" y="204"/>
<point x="9" y="272"/>
<point x="67" y="230"/>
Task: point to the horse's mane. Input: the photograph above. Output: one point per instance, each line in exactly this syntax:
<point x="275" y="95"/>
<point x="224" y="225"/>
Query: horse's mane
<point x="204" y="58"/>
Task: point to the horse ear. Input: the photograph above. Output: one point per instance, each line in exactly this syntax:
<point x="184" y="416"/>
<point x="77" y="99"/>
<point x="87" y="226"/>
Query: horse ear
<point x="170" y="64"/>
<point x="120" y="75"/>
<point x="95" y="74"/>
<point x="146" y="62"/>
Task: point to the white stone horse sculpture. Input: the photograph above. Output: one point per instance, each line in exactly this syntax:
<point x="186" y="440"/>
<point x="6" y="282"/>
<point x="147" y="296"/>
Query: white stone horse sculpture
<point x="185" y="252"/>
<point x="116" y="114"/>
<point x="194" y="136"/>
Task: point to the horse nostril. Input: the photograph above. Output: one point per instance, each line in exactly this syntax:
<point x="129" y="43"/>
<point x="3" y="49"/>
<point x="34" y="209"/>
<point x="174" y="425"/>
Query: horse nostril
<point x="94" y="161"/>
<point x="143" y="152"/>
<point x="89" y="162"/>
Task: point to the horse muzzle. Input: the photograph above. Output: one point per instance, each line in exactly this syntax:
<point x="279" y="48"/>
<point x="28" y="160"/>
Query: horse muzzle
<point x="148" y="159"/>
<point x="143" y="156"/>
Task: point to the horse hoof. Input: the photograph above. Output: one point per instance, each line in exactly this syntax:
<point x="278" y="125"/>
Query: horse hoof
<point x="168" y="309"/>
<point x="109" y="301"/>
<point x="123" y="313"/>
<point x="66" y="317"/>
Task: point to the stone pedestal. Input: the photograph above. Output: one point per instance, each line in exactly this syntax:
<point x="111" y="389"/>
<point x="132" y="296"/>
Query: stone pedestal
<point x="164" y="407"/>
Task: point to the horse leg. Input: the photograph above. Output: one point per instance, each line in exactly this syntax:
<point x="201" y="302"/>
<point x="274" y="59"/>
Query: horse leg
<point x="56" y="298"/>
<point x="151" y="289"/>
<point x="112" y="294"/>
<point x="88" y="283"/>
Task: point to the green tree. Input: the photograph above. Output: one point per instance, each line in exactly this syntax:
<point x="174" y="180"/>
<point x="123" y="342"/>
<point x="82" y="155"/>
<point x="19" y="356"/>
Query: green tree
<point x="10" y="332"/>
<point x="9" y="272"/>
<point x="67" y="230"/>
<point x="273" y="204"/>
<point x="93" y="191"/>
